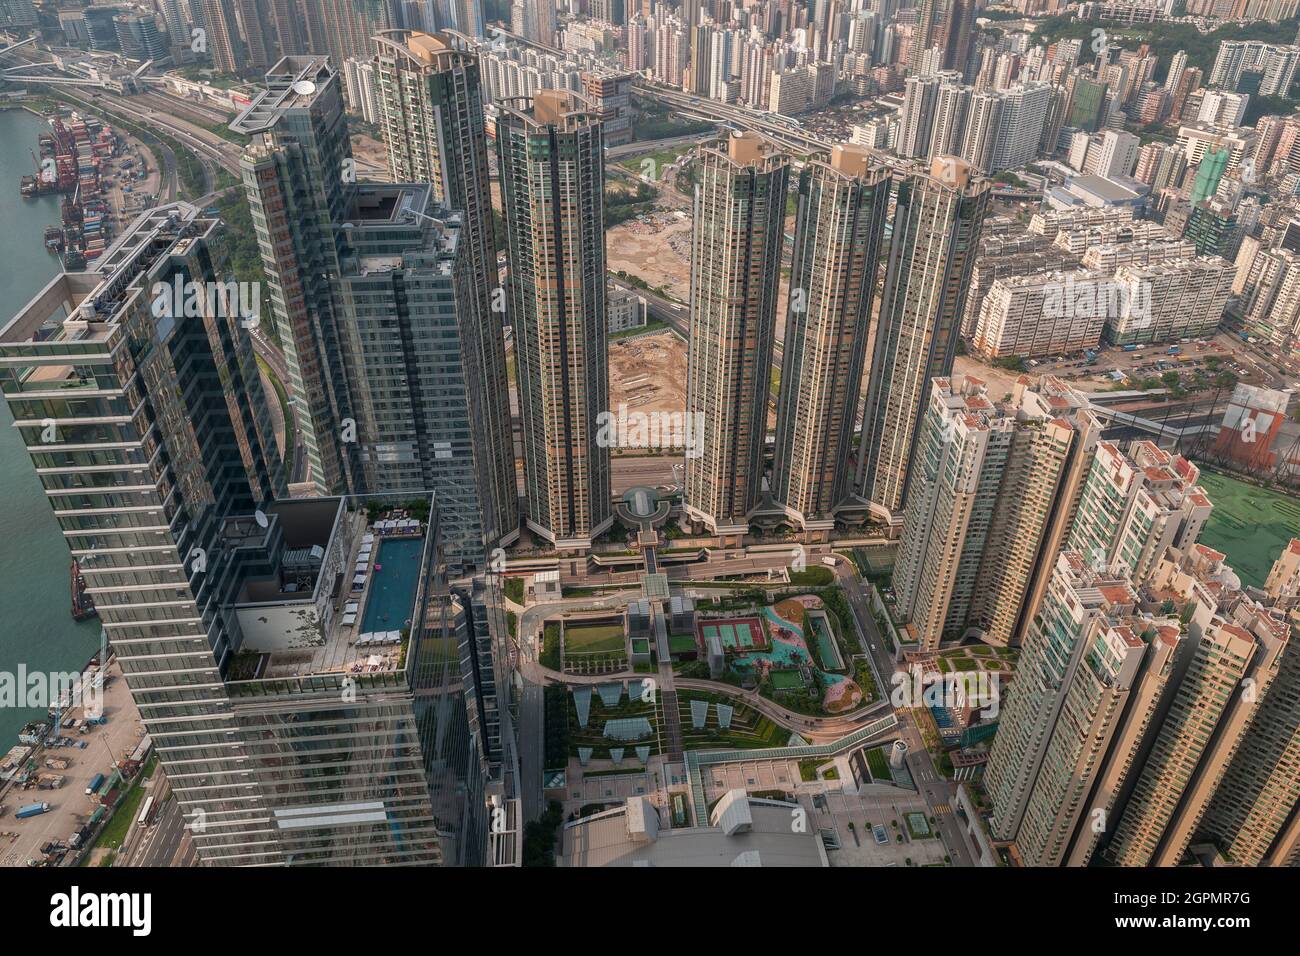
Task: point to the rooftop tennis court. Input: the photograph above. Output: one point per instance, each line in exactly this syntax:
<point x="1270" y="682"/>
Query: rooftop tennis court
<point x="739" y="635"/>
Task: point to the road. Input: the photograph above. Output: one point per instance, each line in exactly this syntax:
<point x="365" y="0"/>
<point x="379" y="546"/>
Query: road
<point x="939" y="792"/>
<point x="157" y="845"/>
<point x="659" y="309"/>
<point x="206" y="144"/>
<point x="615" y="153"/>
<point x="654" y="471"/>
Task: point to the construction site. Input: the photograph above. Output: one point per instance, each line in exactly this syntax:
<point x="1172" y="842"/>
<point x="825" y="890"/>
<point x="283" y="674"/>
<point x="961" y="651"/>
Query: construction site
<point x="647" y="373"/>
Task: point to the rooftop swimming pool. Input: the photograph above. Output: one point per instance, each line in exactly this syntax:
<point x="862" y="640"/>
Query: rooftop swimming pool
<point x="393" y="584"/>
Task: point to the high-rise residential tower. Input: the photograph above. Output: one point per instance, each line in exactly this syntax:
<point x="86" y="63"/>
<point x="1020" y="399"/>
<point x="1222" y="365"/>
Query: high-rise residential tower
<point x="381" y="297"/>
<point x="1232" y="667"/>
<point x="735" y="272"/>
<point x="1076" y="599"/>
<point x="343" y="28"/>
<point x="296" y="175"/>
<point x="408" y="289"/>
<point x="932" y="250"/>
<point x="838" y="228"/>
<point x="551" y="155"/>
<point x="1133" y="506"/>
<point x="1106" y="706"/>
<point x="431" y="101"/>
<point x="1253" y="813"/>
<point x="222" y="36"/>
<point x="534" y="20"/>
<point x="986" y="492"/>
<point x="917" y="119"/>
<point x="947" y="25"/>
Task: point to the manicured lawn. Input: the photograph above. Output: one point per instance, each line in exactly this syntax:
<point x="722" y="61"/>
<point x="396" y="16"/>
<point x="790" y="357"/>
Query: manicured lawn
<point x="660" y="159"/>
<point x="591" y="638"/>
<point x="616" y="772"/>
<point x="748" y="730"/>
<point x="120" y="822"/>
<point x="286" y="409"/>
<point x="878" y="764"/>
<point x="815" y="576"/>
<point x="650" y="327"/>
<point x="682" y="643"/>
<point x="808" y="769"/>
<point x="593" y="735"/>
<point x="786" y="680"/>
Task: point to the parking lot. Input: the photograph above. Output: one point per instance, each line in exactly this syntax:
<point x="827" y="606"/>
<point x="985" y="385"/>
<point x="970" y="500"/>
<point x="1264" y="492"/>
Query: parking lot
<point x="1248" y="362"/>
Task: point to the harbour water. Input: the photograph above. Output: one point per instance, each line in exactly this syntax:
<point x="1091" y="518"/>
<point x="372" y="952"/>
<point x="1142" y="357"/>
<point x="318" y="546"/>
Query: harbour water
<point x="36" y="627"/>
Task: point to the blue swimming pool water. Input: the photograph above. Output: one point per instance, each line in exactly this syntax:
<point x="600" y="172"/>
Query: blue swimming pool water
<point x="782" y="653"/>
<point x="392" y="585"/>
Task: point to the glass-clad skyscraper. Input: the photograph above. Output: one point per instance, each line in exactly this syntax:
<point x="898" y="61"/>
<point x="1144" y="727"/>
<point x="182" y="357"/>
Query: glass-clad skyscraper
<point x="396" y="366"/>
<point x="296" y="661"/>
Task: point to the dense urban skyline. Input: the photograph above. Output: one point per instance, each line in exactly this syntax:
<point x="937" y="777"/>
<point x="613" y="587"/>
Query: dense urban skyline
<point x="514" y="434"/>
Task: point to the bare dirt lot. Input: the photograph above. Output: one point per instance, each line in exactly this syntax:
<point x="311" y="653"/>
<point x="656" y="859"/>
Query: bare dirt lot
<point x="999" y="381"/>
<point x="372" y="158"/>
<point x="648" y="373"/>
<point x="651" y="253"/>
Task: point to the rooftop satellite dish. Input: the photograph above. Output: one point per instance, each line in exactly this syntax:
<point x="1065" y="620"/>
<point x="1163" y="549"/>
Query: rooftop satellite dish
<point x="304" y="87"/>
<point x="260" y="517"/>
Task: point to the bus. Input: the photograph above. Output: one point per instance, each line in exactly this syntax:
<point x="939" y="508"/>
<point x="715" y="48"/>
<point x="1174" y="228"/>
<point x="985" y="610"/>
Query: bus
<point x="146" y="813"/>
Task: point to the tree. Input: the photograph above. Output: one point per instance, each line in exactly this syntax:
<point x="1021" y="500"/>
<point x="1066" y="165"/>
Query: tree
<point x="539" y="836"/>
<point x="1222" y="380"/>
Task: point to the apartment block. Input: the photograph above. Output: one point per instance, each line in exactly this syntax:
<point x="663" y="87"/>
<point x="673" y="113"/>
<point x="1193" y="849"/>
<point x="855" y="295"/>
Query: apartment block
<point x="1076" y="598"/>
<point x="1121" y="674"/>
<point x="735" y="271"/>
<point x="1252" y="814"/>
<point x="936" y="227"/>
<point x="551" y="155"/>
<point x="1109" y="256"/>
<point x="1169" y="300"/>
<point x="838" y="229"/>
<point x="1283" y="579"/>
<point x="1001" y="256"/>
<point x="986" y="482"/>
<point x="1046" y="314"/>
<point x="1135" y="505"/>
<point x="1232" y="666"/>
